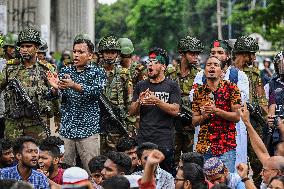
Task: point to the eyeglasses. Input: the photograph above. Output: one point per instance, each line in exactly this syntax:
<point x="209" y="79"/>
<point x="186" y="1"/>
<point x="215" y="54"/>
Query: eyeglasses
<point x="265" y="170"/>
<point x="152" y="60"/>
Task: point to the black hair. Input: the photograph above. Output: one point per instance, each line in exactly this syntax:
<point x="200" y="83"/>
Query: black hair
<point x="126" y="143"/>
<point x="97" y="163"/>
<point x="193" y="157"/>
<point x="212" y="56"/>
<point x="19" y="143"/>
<point x="220" y="186"/>
<point x="194" y="173"/>
<point x="7" y="183"/>
<point x="22" y="185"/>
<point x="89" y="43"/>
<point x="5" y="144"/>
<point x="146" y="146"/>
<point x="280" y="178"/>
<point x="120" y="182"/>
<point x="51" y="144"/>
<point x="160" y="51"/>
<point x="122" y="161"/>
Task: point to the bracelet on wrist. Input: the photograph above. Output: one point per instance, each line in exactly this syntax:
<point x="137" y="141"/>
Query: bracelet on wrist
<point x="245" y="179"/>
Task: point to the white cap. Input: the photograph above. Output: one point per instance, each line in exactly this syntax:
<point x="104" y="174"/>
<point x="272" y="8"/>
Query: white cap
<point x="74" y="175"/>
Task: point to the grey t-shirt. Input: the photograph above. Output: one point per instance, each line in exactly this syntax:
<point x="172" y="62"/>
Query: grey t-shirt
<point x="156" y="125"/>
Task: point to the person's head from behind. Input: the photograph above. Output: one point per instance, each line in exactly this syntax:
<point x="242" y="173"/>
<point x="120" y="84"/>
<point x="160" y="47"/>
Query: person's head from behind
<point x="274" y="166"/>
<point x="116" y="182"/>
<point x="213" y="69"/>
<point x="128" y="145"/>
<point x="22" y="185"/>
<point x="189" y="176"/>
<point x="96" y="165"/>
<point x="117" y="163"/>
<point x="6" y="153"/>
<point x="82" y="52"/>
<point x="49" y="155"/>
<point x="192" y="157"/>
<point x="7" y="183"/>
<point x="276" y="182"/>
<point x="215" y="171"/>
<point x="144" y="150"/>
<point x="26" y="151"/>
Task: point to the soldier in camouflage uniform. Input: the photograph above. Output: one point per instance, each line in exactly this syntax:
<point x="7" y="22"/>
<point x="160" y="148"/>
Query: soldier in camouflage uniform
<point x="9" y="46"/>
<point x="244" y="55"/>
<point x="189" y="48"/>
<point x="137" y="71"/>
<point x="53" y="122"/>
<point x="119" y="87"/>
<point x="32" y="75"/>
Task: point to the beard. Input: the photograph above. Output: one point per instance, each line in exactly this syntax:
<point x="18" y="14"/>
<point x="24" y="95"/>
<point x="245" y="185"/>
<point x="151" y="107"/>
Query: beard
<point x="27" y="57"/>
<point x="108" y="61"/>
<point x="51" y="169"/>
<point x="29" y="165"/>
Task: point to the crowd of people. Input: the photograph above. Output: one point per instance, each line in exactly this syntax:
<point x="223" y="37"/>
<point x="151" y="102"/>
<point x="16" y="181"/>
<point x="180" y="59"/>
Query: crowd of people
<point x="121" y="123"/>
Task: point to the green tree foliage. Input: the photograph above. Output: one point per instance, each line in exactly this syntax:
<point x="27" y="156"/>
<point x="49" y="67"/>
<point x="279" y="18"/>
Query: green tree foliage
<point x="268" y="21"/>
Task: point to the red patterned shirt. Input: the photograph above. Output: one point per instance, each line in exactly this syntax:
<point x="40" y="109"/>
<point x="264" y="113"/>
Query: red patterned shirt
<point x="217" y="133"/>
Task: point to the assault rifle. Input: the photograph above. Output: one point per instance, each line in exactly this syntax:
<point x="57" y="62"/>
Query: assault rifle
<point x="256" y="115"/>
<point x="25" y="104"/>
<point x="111" y="121"/>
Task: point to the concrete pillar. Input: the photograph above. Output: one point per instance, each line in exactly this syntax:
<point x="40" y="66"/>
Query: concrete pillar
<point x="90" y="19"/>
<point x="43" y="19"/>
<point x="74" y="17"/>
<point x="3" y="16"/>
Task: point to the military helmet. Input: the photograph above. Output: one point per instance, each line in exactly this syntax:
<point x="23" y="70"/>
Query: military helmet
<point x="189" y="43"/>
<point x="126" y="46"/>
<point x="29" y="35"/>
<point x="10" y="39"/>
<point x="246" y="44"/>
<point x="159" y="51"/>
<point x="109" y="43"/>
<point x="82" y="36"/>
<point x="43" y="46"/>
<point x="1" y="40"/>
<point x="277" y="60"/>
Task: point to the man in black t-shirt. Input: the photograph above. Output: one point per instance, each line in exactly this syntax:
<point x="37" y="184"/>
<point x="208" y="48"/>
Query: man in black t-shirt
<point x="157" y="100"/>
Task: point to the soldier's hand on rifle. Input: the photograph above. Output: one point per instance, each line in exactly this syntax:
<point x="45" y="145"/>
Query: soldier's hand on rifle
<point x="66" y="82"/>
<point x="244" y="113"/>
<point x="53" y="79"/>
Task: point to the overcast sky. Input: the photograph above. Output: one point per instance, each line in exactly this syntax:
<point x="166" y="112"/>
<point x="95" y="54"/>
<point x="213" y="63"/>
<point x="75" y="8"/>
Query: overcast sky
<point x="107" y="1"/>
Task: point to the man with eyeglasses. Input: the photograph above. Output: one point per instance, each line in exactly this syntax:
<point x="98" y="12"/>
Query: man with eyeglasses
<point x="157" y="100"/>
<point x="272" y="165"/>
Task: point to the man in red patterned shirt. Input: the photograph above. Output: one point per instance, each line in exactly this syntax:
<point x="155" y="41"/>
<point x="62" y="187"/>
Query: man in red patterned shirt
<point x="215" y="108"/>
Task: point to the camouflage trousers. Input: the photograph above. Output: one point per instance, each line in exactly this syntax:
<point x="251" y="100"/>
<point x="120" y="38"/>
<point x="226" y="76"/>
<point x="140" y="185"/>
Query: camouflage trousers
<point x="183" y="143"/>
<point x="24" y="127"/>
<point x="255" y="163"/>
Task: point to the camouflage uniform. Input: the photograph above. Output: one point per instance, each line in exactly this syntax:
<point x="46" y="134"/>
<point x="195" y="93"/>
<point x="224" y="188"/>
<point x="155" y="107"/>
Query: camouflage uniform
<point x="185" y="134"/>
<point x="246" y="44"/>
<point x="20" y="120"/>
<point x="53" y="122"/>
<point x="118" y="88"/>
